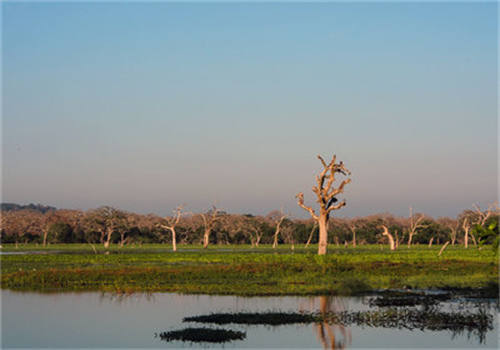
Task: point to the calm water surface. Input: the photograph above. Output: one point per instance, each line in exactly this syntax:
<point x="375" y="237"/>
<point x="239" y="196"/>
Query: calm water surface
<point x="95" y="320"/>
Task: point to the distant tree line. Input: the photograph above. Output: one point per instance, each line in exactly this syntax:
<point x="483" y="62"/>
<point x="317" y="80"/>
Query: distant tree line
<point x="107" y="225"/>
<point x="37" y="207"/>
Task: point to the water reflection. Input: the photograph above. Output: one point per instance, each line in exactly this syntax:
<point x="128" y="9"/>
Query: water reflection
<point x="328" y="333"/>
<point x="124" y="320"/>
<point x="328" y="305"/>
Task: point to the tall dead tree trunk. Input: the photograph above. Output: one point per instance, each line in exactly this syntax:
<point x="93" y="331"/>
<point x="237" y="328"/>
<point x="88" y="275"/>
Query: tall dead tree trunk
<point x="389" y="236"/>
<point x="353" y="230"/>
<point x="171" y="223"/>
<point x="311" y="234"/>
<point x="45" y="234"/>
<point x="443" y="248"/>
<point x="466" y="227"/>
<point x="325" y="193"/>
<point x="109" y="233"/>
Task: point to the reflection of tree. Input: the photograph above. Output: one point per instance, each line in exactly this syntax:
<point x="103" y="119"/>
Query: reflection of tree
<point x="325" y="331"/>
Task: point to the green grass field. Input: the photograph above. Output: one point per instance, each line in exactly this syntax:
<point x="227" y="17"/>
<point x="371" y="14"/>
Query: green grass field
<point x="242" y="270"/>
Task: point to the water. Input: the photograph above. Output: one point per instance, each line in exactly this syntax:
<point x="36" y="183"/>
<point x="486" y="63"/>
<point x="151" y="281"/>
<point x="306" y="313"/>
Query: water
<point x="96" y="320"/>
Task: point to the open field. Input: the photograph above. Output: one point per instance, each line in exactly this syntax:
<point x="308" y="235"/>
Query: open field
<point x="242" y="270"/>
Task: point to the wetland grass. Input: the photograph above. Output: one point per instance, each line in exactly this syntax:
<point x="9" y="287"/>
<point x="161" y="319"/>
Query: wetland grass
<point x="241" y="270"/>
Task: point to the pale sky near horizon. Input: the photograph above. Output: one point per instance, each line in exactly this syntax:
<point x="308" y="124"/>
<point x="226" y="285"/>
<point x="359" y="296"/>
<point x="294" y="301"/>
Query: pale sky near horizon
<point x="144" y="106"/>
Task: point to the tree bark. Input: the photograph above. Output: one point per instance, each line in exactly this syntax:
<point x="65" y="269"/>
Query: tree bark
<point x="430" y="242"/>
<point x="323" y="234"/>
<point x="277" y="232"/>
<point x="174" y="240"/>
<point x="45" y="234"/>
<point x="206" y="237"/>
<point x="466" y="236"/>
<point x="410" y="237"/>
<point x="389" y="236"/>
<point x="109" y="232"/>
<point x="353" y="237"/>
<point x="311" y="234"/>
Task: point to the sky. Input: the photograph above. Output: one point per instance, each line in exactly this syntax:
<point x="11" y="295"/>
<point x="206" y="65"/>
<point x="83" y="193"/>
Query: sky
<point x="144" y="106"/>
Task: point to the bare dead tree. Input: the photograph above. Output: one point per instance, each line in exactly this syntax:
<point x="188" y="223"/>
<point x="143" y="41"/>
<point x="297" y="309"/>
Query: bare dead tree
<point x="354" y="224"/>
<point x="415" y="224"/>
<point x="398" y="240"/>
<point x="288" y="235"/>
<point x="315" y="225"/>
<point x="484" y="216"/>
<point x="256" y="230"/>
<point x="277" y="217"/>
<point x="443" y="248"/>
<point x="171" y="222"/>
<point x="466" y="228"/>
<point x="105" y="220"/>
<point x="325" y="193"/>
<point x="389" y="237"/>
<point x="210" y="219"/>
<point x="453" y="225"/>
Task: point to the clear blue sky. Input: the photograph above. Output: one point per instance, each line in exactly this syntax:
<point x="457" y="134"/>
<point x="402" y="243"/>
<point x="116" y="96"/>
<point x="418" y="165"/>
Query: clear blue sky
<point x="145" y="106"/>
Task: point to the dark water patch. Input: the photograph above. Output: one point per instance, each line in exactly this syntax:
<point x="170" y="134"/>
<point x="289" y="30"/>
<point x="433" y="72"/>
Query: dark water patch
<point x="202" y="335"/>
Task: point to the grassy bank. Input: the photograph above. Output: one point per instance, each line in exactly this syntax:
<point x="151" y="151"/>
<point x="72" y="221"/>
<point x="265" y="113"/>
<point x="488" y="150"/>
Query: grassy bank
<point x="242" y="270"/>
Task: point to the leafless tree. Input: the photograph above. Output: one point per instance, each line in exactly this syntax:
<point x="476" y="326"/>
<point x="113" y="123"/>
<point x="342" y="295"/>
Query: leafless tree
<point x="277" y="218"/>
<point x="443" y="248"/>
<point x="210" y="219"/>
<point x="467" y="219"/>
<point x="255" y="229"/>
<point x="313" y="229"/>
<point x="354" y="224"/>
<point x="106" y="220"/>
<point x="453" y="225"/>
<point x="170" y="224"/>
<point x="414" y="224"/>
<point x="482" y="217"/>
<point x="288" y="233"/>
<point x="325" y="193"/>
<point x="389" y="237"/>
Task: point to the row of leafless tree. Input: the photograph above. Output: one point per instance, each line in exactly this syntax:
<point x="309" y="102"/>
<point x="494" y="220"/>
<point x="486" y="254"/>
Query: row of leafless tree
<point x="108" y="225"/>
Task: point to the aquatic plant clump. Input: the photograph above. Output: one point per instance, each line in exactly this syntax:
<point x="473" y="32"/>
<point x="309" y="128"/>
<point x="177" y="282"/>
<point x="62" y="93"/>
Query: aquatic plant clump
<point x="409" y="300"/>
<point x="478" y="323"/>
<point x="202" y="335"/>
<point x="268" y="318"/>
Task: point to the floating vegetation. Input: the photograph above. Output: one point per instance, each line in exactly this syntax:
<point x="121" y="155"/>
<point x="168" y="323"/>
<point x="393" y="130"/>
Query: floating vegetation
<point x="478" y="323"/>
<point x="267" y="318"/>
<point x="202" y="335"/>
<point x="409" y="299"/>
